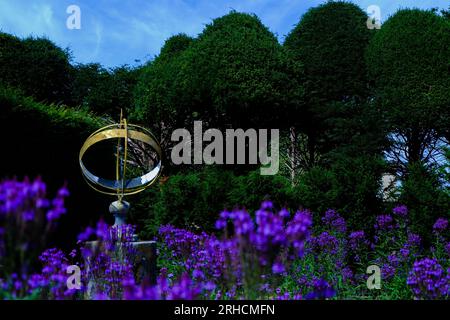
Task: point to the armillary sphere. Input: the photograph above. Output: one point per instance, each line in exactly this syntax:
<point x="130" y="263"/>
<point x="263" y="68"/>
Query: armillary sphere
<point x="136" y="146"/>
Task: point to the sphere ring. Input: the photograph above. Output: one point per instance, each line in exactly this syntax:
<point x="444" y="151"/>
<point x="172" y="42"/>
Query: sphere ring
<point x="122" y="186"/>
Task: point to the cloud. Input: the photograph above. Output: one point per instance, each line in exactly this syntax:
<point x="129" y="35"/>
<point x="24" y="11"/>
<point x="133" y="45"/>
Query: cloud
<point x="25" y="19"/>
<point x="118" y="32"/>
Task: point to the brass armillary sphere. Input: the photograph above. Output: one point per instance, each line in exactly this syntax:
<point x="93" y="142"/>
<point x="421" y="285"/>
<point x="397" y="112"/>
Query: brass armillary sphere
<point x="135" y="145"/>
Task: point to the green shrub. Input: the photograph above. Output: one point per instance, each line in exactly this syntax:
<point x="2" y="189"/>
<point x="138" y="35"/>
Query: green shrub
<point x="358" y="189"/>
<point x="45" y="140"/>
<point x="195" y="199"/>
<point x="425" y="198"/>
<point x="191" y="200"/>
<point x="351" y="186"/>
<point x="37" y="66"/>
<point x="316" y="190"/>
<point x="249" y="190"/>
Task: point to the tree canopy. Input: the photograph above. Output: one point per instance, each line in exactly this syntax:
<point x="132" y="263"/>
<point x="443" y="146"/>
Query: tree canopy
<point x="329" y="43"/>
<point x="409" y="63"/>
<point x="37" y="66"/>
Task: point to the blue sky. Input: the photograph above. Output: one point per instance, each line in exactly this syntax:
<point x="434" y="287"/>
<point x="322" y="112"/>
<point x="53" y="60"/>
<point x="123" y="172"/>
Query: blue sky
<point x="116" y="32"/>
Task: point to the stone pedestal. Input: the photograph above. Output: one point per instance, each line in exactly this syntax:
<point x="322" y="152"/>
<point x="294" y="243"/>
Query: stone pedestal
<point x="119" y="210"/>
<point x="144" y="263"/>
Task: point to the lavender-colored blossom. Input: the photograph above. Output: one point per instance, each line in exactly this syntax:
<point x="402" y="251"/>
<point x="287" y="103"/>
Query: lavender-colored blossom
<point x="183" y="289"/>
<point x="347" y="274"/>
<point x="400" y="211"/>
<point x="356" y="240"/>
<point x="324" y="243"/>
<point x="321" y="290"/>
<point x="278" y="267"/>
<point x="335" y="221"/>
<point x="287" y="296"/>
<point x="440" y="225"/>
<point x="427" y="280"/>
<point x="27" y="217"/>
<point x="298" y="230"/>
<point x="388" y="271"/>
<point x="384" y="222"/>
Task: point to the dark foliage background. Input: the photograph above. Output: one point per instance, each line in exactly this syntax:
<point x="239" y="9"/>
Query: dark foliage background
<point x="352" y="104"/>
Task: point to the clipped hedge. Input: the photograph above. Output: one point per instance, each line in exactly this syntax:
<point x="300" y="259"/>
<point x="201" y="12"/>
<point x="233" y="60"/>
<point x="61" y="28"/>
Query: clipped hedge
<point x="195" y="199"/>
<point x="45" y="140"/>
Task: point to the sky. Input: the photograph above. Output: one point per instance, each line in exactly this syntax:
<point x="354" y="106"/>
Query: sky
<point x="119" y="32"/>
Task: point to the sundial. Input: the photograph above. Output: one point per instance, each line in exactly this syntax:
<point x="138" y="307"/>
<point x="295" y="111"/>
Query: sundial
<point x="136" y="149"/>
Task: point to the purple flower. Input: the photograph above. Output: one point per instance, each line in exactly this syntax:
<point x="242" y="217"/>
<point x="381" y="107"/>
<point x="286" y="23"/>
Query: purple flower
<point x="404" y="252"/>
<point x="401" y="211"/>
<point x="63" y="192"/>
<point x="427" y="280"/>
<point x="388" y="271"/>
<point x="347" y="274"/>
<point x="266" y="205"/>
<point x="287" y="296"/>
<point x="26" y="219"/>
<point x="284" y="213"/>
<point x="413" y="240"/>
<point x="243" y="223"/>
<point x="28" y="215"/>
<point x="324" y="243"/>
<point x="183" y="289"/>
<point x="357" y="240"/>
<point x="440" y="225"/>
<point x="335" y="221"/>
<point x="447" y="248"/>
<point x="278" y="267"/>
<point x="55" y="214"/>
<point x="321" y="290"/>
<point x="384" y="222"/>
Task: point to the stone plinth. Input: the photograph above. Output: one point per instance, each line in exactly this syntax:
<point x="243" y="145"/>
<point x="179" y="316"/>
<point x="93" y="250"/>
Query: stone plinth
<point x="144" y="263"/>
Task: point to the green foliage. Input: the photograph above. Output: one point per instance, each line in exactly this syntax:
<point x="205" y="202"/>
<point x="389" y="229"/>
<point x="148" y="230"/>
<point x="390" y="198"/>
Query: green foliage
<point x="159" y="102"/>
<point x="232" y="74"/>
<point x="14" y="104"/>
<point x="193" y="199"/>
<point x="351" y="186"/>
<point x="103" y="91"/>
<point x="45" y="140"/>
<point x="425" y="197"/>
<point x="249" y="190"/>
<point x="409" y="61"/>
<point x="326" y="53"/>
<point x="358" y="188"/>
<point x="235" y="72"/>
<point x="330" y="41"/>
<point x="36" y="66"/>
<point x="316" y="189"/>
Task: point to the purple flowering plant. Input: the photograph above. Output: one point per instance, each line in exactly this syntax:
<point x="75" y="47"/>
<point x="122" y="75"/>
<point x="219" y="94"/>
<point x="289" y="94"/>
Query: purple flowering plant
<point x="27" y="218"/>
<point x="271" y="254"/>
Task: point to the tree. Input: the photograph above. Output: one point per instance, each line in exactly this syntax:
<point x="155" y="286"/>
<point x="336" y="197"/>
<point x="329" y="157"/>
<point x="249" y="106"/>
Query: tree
<point x="160" y="102"/>
<point x="104" y="91"/>
<point x="85" y="85"/>
<point x="409" y="61"/>
<point x="329" y="42"/>
<point x="425" y="197"/>
<point x="234" y="73"/>
<point x="36" y="66"/>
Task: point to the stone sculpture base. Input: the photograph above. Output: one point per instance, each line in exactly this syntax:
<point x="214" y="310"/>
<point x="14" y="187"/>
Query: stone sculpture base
<point x="144" y="264"/>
